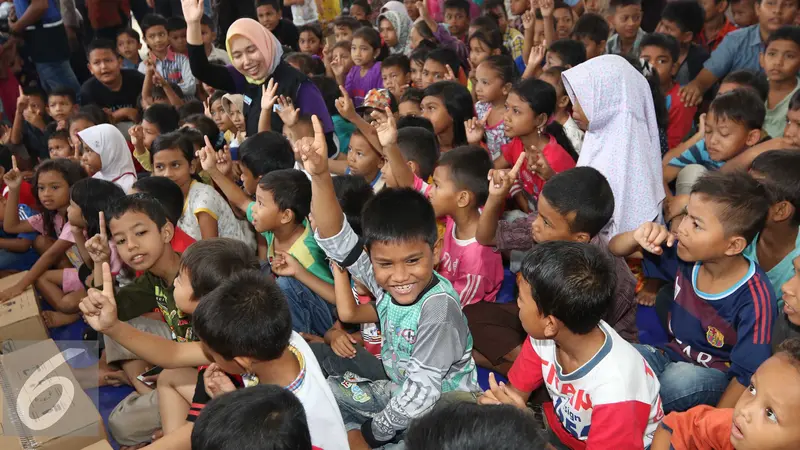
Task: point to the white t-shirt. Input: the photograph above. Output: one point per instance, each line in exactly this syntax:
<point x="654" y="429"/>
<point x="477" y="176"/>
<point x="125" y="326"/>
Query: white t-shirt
<point x="305" y="13"/>
<point x="323" y="416"/>
<point x="203" y="198"/>
<point x="574" y="134"/>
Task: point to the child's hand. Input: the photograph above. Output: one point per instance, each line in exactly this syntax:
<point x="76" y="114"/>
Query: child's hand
<point x="528" y="19"/>
<point x="691" y="95"/>
<point x="206" y="108"/>
<point x="5" y="134"/>
<point x="287" y="112"/>
<point x="224" y="161"/>
<point x="538" y="163"/>
<point x="241" y="136"/>
<point x="10" y="293"/>
<point x="136" y="133"/>
<point x="216" y="380"/>
<point x="285" y="265"/>
<point x="501" y="180"/>
<point x="344" y="105"/>
<point x="422" y="6"/>
<point x="99" y="308"/>
<point x="314" y="152"/>
<point x="701" y="125"/>
<point x="651" y="235"/>
<point x="97" y="245"/>
<point x="208" y="157"/>
<point x="159" y="81"/>
<point x="13" y="178"/>
<point x="268" y="97"/>
<point x="342" y="344"/>
<point x="500" y="394"/>
<point x="449" y="76"/>
<point x="192" y="10"/>
<point x="547" y="7"/>
<point x="149" y="68"/>
<point x="386" y="127"/>
<point x="22" y="101"/>
<point x="326" y="54"/>
<point x="537" y="55"/>
<point x="339" y="273"/>
<point x="475" y="128"/>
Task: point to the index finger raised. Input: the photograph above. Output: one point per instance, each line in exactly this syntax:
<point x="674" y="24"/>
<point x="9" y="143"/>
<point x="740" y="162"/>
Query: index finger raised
<point x="517" y="167"/>
<point x="102" y="219"/>
<point x="14" y="163"/>
<point x="108" y="282"/>
<point x="318" y="130"/>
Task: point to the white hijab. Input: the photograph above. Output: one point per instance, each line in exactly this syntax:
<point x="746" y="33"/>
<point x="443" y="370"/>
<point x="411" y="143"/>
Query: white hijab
<point x="622" y="140"/>
<point x="107" y="141"/>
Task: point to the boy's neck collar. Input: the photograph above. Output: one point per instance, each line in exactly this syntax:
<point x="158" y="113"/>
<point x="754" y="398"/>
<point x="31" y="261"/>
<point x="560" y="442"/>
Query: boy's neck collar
<point x="289" y="232"/>
<point x="283" y="371"/>
<point x="721" y="267"/>
<point x="167" y="265"/>
<point x="466" y="221"/>
<point x="116" y="85"/>
<point x="574" y="350"/>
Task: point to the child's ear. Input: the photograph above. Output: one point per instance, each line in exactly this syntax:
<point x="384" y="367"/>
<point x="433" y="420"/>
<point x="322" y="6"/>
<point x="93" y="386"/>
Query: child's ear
<point x="551" y="326"/>
<point x="287" y="216"/>
<point x="167" y="232"/>
<point x="437" y="251"/>
<point x="507" y="89"/>
<point x="245" y="362"/>
<point x="753" y="136"/>
<point x="563" y="102"/>
<point x="413" y="166"/>
<point x="736" y="245"/>
<point x="376" y="53"/>
<point x="778" y="212"/>
<point x="542" y="121"/>
<point x="581" y="236"/>
<point x="463" y="198"/>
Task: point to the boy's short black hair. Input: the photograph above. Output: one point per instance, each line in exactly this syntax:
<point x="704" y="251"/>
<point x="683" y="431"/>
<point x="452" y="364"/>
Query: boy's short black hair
<point x="614" y="4"/>
<point x="754" y="80"/>
<point x="207" y="21"/>
<point x="489" y="5"/>
<point x="363" y="4"/>
<point x="662" y="41"/>
<point x="166" y="191"/>
<point x="469" y="426"/>
<point x="130" y="32"/>
<point x="398" y="215"/>
<point x="584" y="191"/>
<point x="591" y="26"/>
<point x="571" y="52"/>
<point x="304" y="61"/>
<point x="63" y="91"/>
<point x="140" y="203"/>
<point x="315" y="29"/>
<point x="34" y="91"/>
<point x="152" y="20"/>
<point x="175" y="23"/>
<point x="741" y="106"/>
<point x="419" y="54"/>
<point x="59" y="134"/>
<point x="399" y="60"/>
<point x="469" y="167"/>
<point x="463" y="5"/>
<point x="419" y="144"/>
<point x="212" y="261"/>
<point x="190" y="108"/>
<point x="245" y="316"/>
<point x="416" y="121"/>
<point x="102" y="44"/>
<point x="741" y="202"/>
<point x="163" y="116"/>
<point x="572" y="281"/>
<point x="274" y="3"/>
<point x="91" y="113"/>
<point x="686" y="15"/>
<point x="347" y="22"/>
<point x="780" y="169"/>
<point x="784" y="33"/>
<point x="203" y="124"/>
<point x="266" y="416"/>
<point x="485" y="23"/>
<point x="412" y="94"/>
<point x="266" y="152"/>
<point x="446" y="56"/>
<point x="353" y="192"/>
<point x="290" y="189"/>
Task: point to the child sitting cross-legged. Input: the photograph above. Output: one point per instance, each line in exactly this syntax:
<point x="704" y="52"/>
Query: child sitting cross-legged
<point x="602" y="392"/>
<point x="720" y="322"/>
<point x="427" y="345"/>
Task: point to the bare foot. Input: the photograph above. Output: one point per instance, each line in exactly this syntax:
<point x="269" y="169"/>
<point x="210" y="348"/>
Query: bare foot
<point x="55" y="319"/>
<point x="647" y="296"/>
<point x="111" y="377"/>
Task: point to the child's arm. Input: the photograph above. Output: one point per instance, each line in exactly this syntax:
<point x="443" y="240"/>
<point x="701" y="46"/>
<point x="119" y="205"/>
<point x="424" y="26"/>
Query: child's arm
<point x="344" y="105"/>
<point x="42" y="265"/>
<point x="346" y="307"/>
<point x="147" y="87"/>
<point x="234" y="194"/>
<point x="209" y="227"/>
<point x="286" y="265"/>
<point x="534" y="67"/>
<point x="11" y="222"/>
<point x="547" y="7"/>
<point x="19" y="118"/>
<point x="529" y="25"/>
<point x="743" y="160"/>
<point x="139" y="151"/>
<point x="661" y="439"/>
<point x="387" y="135"/>
<point x="180" y="439"/>
<point x="15" y="245"/>
<point x="425" y="15"/>
<point x="500" y="182"/>
<point x="268" y="100"/>
<point x="649" y="237"/>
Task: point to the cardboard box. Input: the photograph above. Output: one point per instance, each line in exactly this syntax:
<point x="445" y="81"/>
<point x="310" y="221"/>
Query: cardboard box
<point x="75" y="429"/>
<point x="20" y="317"/>
<point x="102" y="445"/>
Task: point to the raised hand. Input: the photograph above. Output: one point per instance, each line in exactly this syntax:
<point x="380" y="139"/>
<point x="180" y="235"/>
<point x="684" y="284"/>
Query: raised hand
<point x="97" y="245"/>
<point x="501" y="180"/>
<point x="22" y="101"/>
<point x="136" y="133"/>
<point x="528" y="19"/>
<point x="344" y="105"/>
<point x="651" y="236"/>
<point x="99" y="307"/>
<point x="268" y="95"/>
<point x="208" y="157"/>
<point x="313" y="153"/>
<point x="538" y="163"/>
<point x="475" y="129"/>
<point x="449" y="76"/>
<point x="287" y="112"/>
<point x="538" y="52"/>
<point x="701" y="127"/>
<point x="547" y="7"/>
<point x="224" y="161"/>
<point x="192" y="10"/>
<point x="206" y="108"/>
<point x="158" y="80"/>
<point x="216" y="381"/>
<point x="386" y="127"/>
<point x="149" y="67"/>
<point x="13" y="178"/>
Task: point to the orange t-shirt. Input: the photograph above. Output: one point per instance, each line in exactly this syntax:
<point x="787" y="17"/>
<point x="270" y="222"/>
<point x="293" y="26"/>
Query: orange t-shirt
<point x="701" y="427"/>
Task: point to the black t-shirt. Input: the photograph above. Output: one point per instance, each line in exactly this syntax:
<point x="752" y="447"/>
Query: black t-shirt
<point x="201" y="397"/>
<point x="95" y="92"/>
<point x="287" y="34"/>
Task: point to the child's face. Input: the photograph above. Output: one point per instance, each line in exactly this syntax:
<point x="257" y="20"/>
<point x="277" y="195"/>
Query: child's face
<point x="395" y="80"/>
<point x="362" y="53"/>
<point x="268" y="17"/>
<point x="457" y="21"/>
<point x="726" y="138"/>
<point x="766" y="415"/>
<point x="711" y="9"/>
<point x="551" y="225"/>
<point x="358" y="12"/>
<point x="533" y="321"/>
<point x="267" y="216"/>
<point x="128" y="47"/>
<point x="409" y="108"/>
<point x="773" y="14"/>
<point x="105" y="66"/>
<point x="627" y="20"/>
<point x="75" y="215"/>
<point x="791" y="294"/>
<point x="411" y="7"/>
<point x="139" y="242"/>
<point x="341" y="57"/>
<point x="75" y="127"/>
<point x="309" y="43"/>
<point x="90" y="160"/>
<point x="35" y="110"/>
<point x="60" y="107"/>
<point x="792" y="130"/>
<point x="502" y="19"/>
<point x="671" y="29"/>
<point x="565" y="22"/>
<point x="59" y="148"/>
<point x="402" y="268"/>
<point x="478" y="52"/>
<point x="444" y="195"/>
<point x="177" y="40"/>
<point x="388" y="33"/>
<point x="744" y="13"/>
<point x="209" y="36"/>
<point x="416" y="73"/>
<point x="249" y="181"/>
<point x="220" y="117"/>
<point x="183" y="292"/>
<point x="432" y="72"/>
<point x="538" y="32"/>
<point x="52" y="190"/>
<point x="157" y="39"/>
<point x="363" y="160"/>
<point x="662" y="63"/>
<point x="552" y="59"/>
<point x="593" y="49"/>
<point x="781" y="60"/>
<point x="434" y="109"/>
<point x="701" y="236"/>
<point x="518" y="7"/>
<point x="519" y="119"/>
<point x="579" y="116"/>
<point x="237" y="118"/>
<point x="150" y="132"/>
<point x="490" y="87"/>
<point x="171" y="163"/>
<point x="341" y="33"/>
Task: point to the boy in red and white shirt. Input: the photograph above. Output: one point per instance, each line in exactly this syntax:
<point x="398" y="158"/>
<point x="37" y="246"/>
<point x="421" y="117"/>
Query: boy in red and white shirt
<point x="604" y="395"/>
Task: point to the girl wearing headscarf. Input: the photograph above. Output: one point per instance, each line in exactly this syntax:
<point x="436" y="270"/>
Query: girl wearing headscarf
<point x="257" y="57"/>
<point x="612" y="102"/>
<point x="395" y="28"/>
<point x="106" y="155"/>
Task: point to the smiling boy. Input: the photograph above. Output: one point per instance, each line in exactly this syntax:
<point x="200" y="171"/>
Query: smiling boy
<point x="171" y="65"/>
<point x="626" y="17"/>
<point x="111" y="86"/>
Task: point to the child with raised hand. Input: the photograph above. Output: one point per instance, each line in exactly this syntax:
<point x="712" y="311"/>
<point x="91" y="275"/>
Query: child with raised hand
<point x="448" y="105"/>
<point x="339" y="62"/>
<point x="233" y="104"/>
<point x="29" y="124"/>
<point x="602" y="391"/>
<point x="156" y="120"/>
<point x="366" y="51"/>
<point x="170" y="196"/>
<point x="562" y="114"/>
<point x="157" y="90"/>
<point x="106" y="155"/>
<point x="494" y="77"/>
<point x="60" y="146"/>
<point x="61" y="105"/>
<point x="172" y="66"/>
<point x="399" y="228"/>
<point x="52" y="180"/>
<point x="721" y="320"/>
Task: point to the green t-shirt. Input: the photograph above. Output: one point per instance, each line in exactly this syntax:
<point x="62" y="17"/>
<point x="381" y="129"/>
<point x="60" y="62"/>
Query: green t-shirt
<point x="304" y="249"/>
<point x="148" y="293"/>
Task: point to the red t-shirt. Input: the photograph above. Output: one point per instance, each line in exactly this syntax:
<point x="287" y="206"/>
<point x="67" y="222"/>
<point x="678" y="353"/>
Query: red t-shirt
<point x="681" y="117"/>
<point x="711" y="43"/>
<point x="558" y="159"/>
<point x="26" y="196"/>
<point x="181" y="241"/>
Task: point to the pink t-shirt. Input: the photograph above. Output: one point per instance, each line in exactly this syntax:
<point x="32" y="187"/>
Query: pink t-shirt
<point x="475" y="270"/>
<point x="558" y="159"/>
<point x="64" y="232"/>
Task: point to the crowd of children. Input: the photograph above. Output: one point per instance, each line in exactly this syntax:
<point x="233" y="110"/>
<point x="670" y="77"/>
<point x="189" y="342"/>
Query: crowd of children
<point x="320" y="222"/>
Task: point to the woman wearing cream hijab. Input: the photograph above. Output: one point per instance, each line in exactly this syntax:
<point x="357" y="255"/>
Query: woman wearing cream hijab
<point x="256" y="57"/>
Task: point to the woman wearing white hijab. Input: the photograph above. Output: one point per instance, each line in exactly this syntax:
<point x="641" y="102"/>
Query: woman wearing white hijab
<point x="613" y="103"/>
<point x="115" y="160"/>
